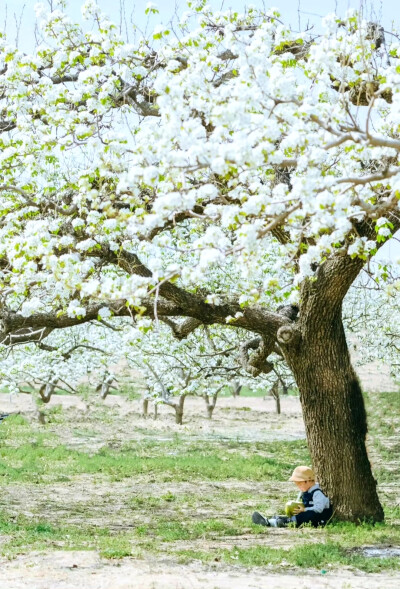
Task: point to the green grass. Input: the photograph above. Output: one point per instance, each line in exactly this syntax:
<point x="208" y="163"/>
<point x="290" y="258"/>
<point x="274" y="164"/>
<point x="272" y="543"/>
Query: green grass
<point x="37" y="456"/>
<point x="163" y="492"/>
<point x="26" y="535"/>
<point x="169" y="530"/>
<point x="321" y="556"/>
<point x="247" y="392"/>
<point x="44" y="463"/>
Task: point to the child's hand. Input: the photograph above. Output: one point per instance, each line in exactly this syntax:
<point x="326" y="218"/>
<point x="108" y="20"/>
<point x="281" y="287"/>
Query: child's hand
<point x="299" y="509"/>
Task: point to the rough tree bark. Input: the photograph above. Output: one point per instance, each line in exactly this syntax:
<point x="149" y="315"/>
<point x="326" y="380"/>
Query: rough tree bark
<point x="316" y="350"/>
<point x="336" y="423"/>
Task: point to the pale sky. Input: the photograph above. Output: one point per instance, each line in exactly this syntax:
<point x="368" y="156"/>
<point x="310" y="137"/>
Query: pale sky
<point x="295" y="12"/>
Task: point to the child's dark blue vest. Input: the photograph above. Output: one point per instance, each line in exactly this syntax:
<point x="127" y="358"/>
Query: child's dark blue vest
<point x="307" y="498"/>
<point x="315" y="518"/>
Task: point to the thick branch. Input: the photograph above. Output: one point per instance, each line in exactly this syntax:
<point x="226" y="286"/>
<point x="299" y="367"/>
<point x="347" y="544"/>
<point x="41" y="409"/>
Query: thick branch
<point x="335" y="276"/>
<point x="254" y="318"/>
<point x="183" y="329"/>
<point x="16" y="329"/>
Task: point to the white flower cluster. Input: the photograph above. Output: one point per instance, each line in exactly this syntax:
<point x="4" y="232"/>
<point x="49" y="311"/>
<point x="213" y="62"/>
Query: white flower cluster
<point x="230" y="162"/>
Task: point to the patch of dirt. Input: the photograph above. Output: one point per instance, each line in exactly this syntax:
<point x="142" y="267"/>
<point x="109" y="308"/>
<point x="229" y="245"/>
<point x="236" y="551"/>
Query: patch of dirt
<point x="78" y="570"/>
<point x="242" y="419"/>
<point x="270" y="538"/>
<point x="110" y="504"/>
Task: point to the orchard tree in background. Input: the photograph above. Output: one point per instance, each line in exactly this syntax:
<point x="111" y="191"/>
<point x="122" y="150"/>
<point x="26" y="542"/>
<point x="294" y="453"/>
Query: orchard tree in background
<point x="372" y="318"/>
<point x="225" y="171"/>
<point x="167" y="369"/>
<point x="61" y="361"/>
<point x="202" y="364"/>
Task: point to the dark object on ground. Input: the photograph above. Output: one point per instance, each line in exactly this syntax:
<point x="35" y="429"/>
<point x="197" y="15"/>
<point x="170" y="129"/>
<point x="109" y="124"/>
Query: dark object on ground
<point x="4" y="415"/>
<point x="258" y="519"/>
<point x="278" y="521"/>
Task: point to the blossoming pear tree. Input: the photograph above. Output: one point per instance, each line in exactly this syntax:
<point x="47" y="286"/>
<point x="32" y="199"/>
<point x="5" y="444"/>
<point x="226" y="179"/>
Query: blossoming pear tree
<point x="226" y="171"/>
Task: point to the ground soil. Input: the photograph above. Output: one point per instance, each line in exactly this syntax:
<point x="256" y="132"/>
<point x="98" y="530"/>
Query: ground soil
<point x="85" y="570"/>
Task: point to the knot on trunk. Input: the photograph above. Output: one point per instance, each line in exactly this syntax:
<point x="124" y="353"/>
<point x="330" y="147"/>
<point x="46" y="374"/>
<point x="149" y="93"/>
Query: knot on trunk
<point x="287" y="334"/>
<point x="257" y="362"/>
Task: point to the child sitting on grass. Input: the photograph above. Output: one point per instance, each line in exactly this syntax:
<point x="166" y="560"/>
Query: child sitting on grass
<point x="316" y="508"/>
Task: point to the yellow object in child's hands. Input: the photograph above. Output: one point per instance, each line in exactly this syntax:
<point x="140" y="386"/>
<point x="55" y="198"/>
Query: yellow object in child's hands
<point x="291" y="506"/>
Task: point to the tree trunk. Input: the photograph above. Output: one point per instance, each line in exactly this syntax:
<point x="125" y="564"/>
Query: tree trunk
<point x="41" y="417"/>
<point x="210" y="406"/>
<point x="277" y="403"/>
<point x="274" y="392"/>
<point x="236" y="387"/>
<point x="145" y="408"/>
<point x="335" y="419"/>
<point x="104" y="390"/>
<point x="46" y="391"/>
<point x="179" y="410"/>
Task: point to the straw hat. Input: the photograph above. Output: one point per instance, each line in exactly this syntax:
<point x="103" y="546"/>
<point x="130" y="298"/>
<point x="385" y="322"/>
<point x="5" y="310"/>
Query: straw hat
<point x="302" y="473"/>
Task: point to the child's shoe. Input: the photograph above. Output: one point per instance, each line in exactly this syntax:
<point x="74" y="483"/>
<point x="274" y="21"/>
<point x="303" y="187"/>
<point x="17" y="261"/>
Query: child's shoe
<point x="282" y="521"/>
<point x="259" y="519"/>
